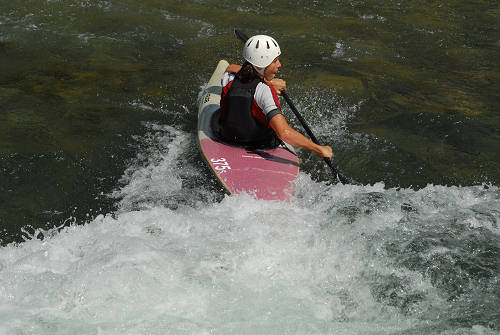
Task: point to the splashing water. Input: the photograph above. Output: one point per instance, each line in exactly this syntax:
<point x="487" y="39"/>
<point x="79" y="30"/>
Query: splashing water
<point x="337" y="259"/>
<point x="404" y="92"/>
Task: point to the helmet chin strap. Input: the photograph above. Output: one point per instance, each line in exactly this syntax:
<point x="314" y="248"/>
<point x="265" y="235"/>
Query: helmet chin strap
<point x="261" y="71"/>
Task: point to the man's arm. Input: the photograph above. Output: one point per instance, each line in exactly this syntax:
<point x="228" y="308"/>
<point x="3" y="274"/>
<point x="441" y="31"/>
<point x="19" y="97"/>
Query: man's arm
<point x="293" y="137"/>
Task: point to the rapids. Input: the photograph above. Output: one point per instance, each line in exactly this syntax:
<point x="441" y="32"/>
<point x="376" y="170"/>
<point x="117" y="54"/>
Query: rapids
<point x="110" y="223"/>
<point x="335" y="259"/>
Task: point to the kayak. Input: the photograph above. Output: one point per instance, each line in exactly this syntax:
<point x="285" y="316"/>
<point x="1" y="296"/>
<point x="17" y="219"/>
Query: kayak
<point x="267" y="174"/>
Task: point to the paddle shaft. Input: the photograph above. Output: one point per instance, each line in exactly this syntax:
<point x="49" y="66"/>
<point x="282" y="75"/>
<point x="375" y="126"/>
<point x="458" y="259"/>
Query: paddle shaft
<point x="328" y="161"/>
<point x="241" y="35"/>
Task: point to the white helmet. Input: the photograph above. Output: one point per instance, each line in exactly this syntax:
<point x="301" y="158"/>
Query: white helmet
<point x="261" y="50"/>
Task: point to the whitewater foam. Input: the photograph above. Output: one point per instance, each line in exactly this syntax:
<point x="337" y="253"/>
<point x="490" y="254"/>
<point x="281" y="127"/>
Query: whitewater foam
<point x="337" y="259"/>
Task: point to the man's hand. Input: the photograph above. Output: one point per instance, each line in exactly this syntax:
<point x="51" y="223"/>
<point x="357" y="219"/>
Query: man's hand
<point x="233" y="68"/>
<point x="278" y="84"/>
<point x="324" y="151"/>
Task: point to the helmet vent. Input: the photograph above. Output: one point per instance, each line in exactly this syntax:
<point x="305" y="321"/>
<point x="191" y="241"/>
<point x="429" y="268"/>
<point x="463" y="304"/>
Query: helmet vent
<point x="267" y="42"/>
<point x="257" y="45"/>
<point x="249" y="43"/>
<point x="275" y="44"/>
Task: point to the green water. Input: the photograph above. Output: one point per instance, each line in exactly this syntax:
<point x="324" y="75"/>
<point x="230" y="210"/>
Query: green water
<point x="405" y="92"/>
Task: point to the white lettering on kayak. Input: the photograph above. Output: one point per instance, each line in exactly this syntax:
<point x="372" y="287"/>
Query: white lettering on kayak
<point x="220" y="164"/>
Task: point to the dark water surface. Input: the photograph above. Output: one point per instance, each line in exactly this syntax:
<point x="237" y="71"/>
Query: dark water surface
<point x="98" y="104"/>
<point x="417" y="84"/>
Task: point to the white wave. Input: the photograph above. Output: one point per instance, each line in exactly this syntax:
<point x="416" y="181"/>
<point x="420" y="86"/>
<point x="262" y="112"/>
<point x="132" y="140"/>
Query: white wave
<point x="156" y="177"/>
<point x="319" y="263"/>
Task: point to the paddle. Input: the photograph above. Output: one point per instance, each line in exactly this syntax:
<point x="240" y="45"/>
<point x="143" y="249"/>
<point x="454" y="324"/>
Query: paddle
<point x="343" y="179"/>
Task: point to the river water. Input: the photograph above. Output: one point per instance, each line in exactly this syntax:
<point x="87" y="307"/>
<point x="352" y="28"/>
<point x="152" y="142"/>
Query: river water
<point x="110" y="223"/>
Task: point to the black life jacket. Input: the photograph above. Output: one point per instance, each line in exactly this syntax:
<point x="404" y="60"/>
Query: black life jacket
<point x="237" y="123"/>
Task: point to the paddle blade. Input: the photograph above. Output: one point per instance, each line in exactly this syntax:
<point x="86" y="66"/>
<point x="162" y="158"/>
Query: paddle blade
<point x="241" y="35"/>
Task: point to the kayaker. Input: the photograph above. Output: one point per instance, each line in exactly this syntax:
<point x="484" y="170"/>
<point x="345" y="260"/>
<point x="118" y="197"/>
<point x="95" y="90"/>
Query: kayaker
<point x="250" y="109"/>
